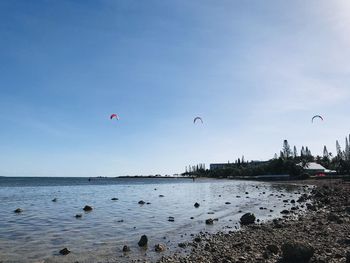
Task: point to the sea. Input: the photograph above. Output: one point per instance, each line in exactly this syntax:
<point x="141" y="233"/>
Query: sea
<point x="44" y="227"/>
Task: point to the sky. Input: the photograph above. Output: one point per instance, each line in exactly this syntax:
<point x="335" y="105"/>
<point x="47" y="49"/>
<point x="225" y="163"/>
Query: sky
<point x="255" y="71"/>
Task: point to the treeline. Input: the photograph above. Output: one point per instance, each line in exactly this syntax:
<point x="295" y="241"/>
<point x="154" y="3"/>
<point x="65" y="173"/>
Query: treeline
<point x="289" y="161"/>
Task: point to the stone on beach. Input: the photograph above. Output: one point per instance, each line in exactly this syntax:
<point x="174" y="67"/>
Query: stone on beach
<point x="64" y="251"/>
<point x="87" y="208"/>
<point x="143" y="241"/>
<point x="297" y="252"/>
<point x="159" y="247"/>
<point x="126" y="248"/>
<point x="247" y="218"/>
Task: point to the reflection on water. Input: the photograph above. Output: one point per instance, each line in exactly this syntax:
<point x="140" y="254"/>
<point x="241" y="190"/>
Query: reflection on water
<point x="45" y="227"/>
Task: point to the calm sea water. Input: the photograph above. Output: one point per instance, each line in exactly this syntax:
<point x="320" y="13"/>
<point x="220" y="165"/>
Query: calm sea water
<point x="44" y="227"/>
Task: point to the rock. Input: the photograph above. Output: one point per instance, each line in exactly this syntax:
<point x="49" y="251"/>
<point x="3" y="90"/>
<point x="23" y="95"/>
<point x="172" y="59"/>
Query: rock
<point x="285" y="212"/>
<point x="159" y="248"/>
<point x="161" y="195"/>
<point x="54" y="200"/>
<point x="297" y="252"/>
<point x="114" y="199"/>
<point x="192" y="217"/>
<point x="209" y="221"/>
<point x="182" y="245"/>
<point x="18" y="210"/>
<point x="87" y="208"/>
<point x="272" y="248"/>
<point x="292" y="201"/>
<point x="171" y="219"/>
<point x="198" y="239"/>
<point x="148" y="203"/>
<point x="64" y="251"/>
<point x="141" y="202"/>
<point x="126" y="248"/>
<point x="347" y="209"/>
<point x="227" y="203"/>
<point x="196" y="205"/>
<point x="143" y="241"/>
<point x="247" y="219"/>
<point x="78" y="216"/>
<point x="246" y="193"/>
<point x="347" y="257"/>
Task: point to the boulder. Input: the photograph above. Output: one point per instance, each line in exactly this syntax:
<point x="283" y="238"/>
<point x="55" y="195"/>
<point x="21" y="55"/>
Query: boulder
<point x="54" y="200"/>
<point x="114" y="199"/>
<point x="141" y="202"/>
<point x="87" y="208"/>
<point x="78" y="216"/>
<point x="171" y="219"/>
<point x="272" y="249"/>
<point x="64" y="251"/>
<point x="247" y="218"/>
<point x="161" y="195"/>
<point x="196" y="205"/>
<point x="297" y="252"/>
<point x="159" y="248"/>
<point x="143" y="241"/>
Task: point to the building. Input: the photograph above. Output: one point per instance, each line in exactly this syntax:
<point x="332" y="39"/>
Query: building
<point x="315" y="168"/>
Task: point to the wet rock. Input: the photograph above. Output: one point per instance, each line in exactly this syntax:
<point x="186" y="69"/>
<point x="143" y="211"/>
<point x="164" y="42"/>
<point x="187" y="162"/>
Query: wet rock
<point x="114" y="199"/>
<point x="272" y="248"/>
<point x="148" y="203"/>
<point x="161" y="195"/>
<point x="64" y="251"/>
<point x="292" y="201"/>
<point x="159" y="248"/>
<point x="347" y="257"/>
<point x="246" y="193"/>
<point x="285" y="212"/>
<point x="182" y="245"/>
<point x="191" y="217"/>
<point x="247" y="219"/>
<point x="297" y="252"/>
<point x="196" y="205"/>
<point x="171" y="219"/>
<point x="87" y="208"/>
<point x="126" y="248"/>
<point x="141" y="202"/>
<point x="18" y="210"/>
<point x="143" y="241"/>
<point x="78" y="216"/>
<point x="54" y="200"/>
<point x="227" y="203"/>
<point x="209" y="221"/>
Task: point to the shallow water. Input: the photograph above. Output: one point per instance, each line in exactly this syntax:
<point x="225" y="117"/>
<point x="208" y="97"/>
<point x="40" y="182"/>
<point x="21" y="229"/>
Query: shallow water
<point x="44" y="227"/>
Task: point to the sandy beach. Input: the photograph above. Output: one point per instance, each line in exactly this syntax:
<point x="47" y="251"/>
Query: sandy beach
<point x="321" y="235"/>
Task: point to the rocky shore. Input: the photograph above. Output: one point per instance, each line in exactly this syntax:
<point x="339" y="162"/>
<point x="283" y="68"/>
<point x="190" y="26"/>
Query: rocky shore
<point x="321" y="235"/>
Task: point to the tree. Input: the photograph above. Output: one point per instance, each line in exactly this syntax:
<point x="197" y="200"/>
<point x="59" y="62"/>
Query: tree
<point x="325" y="152"/>
<point x="295" y="152"/>
<point x="286" y="149"/>
<point x="339" y="152"/>
<point x="302" y="151"/>
<point x="275" y="156"/>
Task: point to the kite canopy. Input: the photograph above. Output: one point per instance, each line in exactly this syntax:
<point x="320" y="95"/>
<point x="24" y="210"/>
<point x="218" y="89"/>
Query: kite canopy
<point x="316" y="116"/>
<point x="197" y="119"/>
<point x="114" y="116"/>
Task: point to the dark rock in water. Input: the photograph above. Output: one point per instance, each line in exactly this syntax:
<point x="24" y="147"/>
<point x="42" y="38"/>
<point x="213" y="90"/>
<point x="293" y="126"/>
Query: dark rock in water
<point x="114" y="199"/>
<point x="120" y="221"/>
<point x="347" y="257"/>
<point x="126" y="248"/>
<point x="159" y="248"/>
<point x="297" y="252"/>
<point x="54" y="200"/>
<point x="141" y="202"/>
<point x="161" y="195"/>
<point x="196" y="205"/>
<point x="198" y="239"/>
<point x="347" y="209"/>
<point x="209" y="221"/>
<point x="64" y="251"/>
<point x="210" y="213"/>
<point x="246" y="193"/>
<point x="237" y="196"/>
<point x="292" y="201"/>
<point x="182" y="245"/>
<point x="148" y="203"/>
<point x="227" y="203"/>
<point x="18" y="210"/>
<point x="171" y="219"/>
<point x="285" y="212"/>
<point x="78" y="216"/>
<point x="192" y="217"/>
<point x="261" y="208"/>
<point x="272" y="248"/>
<point x="247" y="218"/>
<point x="143" y="241"/>
<point x="87" y="208"/>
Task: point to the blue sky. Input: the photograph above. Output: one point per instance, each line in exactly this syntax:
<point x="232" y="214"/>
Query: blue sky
<point x="256" y="71"/>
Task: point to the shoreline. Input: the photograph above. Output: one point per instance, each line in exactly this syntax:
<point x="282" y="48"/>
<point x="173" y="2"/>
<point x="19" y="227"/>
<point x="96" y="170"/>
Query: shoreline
<point x="324" y="231"/>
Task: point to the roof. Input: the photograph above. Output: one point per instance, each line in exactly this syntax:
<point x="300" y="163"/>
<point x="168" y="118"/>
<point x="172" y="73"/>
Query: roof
<point x="313" y="166"/>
